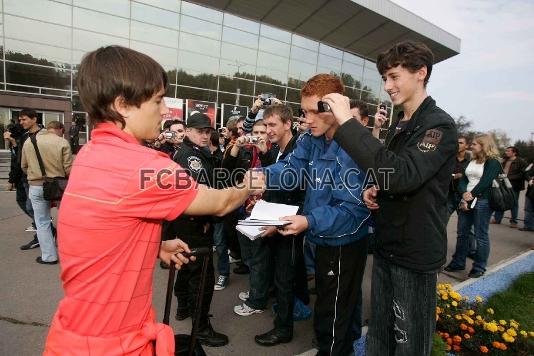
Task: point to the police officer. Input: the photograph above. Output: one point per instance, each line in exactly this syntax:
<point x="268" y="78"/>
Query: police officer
<point x="194" y="156"/>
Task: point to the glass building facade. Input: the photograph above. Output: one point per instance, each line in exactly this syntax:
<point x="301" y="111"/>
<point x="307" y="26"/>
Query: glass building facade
<point x="209" y="55"/>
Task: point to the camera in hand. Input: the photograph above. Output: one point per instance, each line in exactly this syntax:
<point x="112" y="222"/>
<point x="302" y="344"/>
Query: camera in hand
<point x="267" y="99"/>
<point x="382" y="106"/>
<point x="253" y="139"/>
<point x="169" y="135"/>
<point x="323" y="107"/>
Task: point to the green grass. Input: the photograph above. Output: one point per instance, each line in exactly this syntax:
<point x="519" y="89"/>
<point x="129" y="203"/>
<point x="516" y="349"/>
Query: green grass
<point x="517" y="302"/>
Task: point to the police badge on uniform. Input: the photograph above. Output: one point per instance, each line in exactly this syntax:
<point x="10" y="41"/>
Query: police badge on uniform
<point x="194" y="163"/>
<point x="430" y="141"/>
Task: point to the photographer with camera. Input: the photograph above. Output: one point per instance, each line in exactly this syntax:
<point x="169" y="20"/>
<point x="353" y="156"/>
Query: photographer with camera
<point x="262" y="101"/>
<point x="170" y="138"/>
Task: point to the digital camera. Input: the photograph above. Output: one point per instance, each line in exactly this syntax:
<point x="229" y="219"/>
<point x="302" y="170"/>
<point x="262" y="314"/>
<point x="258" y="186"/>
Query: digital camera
<point x="266" y="98"/>
<point x="169" y="135"/>
<point x="323" y="107"/>
<point x="253" y="139"/>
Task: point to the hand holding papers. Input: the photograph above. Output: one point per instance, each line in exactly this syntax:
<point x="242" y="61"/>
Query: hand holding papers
<point x="265" y="214"/>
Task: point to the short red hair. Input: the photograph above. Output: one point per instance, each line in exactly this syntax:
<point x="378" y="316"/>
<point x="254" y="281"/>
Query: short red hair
<point x="321" y="85"/>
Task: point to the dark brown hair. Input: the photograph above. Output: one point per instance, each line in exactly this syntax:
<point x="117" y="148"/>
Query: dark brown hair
<point x="322" y="84"/>
<point x="408" y="54"/>
<point x="32" y="114"/>
<point x="362" y="107"/>
<point x="283" y="111"/>
<point x="115" y="71"/>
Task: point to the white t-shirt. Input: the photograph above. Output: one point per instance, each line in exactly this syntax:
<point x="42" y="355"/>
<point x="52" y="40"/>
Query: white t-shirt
<point x="473" y="173"/>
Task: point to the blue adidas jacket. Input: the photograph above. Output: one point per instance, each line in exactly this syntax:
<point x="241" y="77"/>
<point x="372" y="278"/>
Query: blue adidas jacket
<point x="333" y="205"/>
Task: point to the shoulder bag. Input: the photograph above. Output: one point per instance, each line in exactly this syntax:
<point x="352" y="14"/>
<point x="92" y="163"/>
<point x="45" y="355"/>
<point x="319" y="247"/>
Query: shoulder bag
<point x="502" y="196"/>
<point x="53" y="188"/>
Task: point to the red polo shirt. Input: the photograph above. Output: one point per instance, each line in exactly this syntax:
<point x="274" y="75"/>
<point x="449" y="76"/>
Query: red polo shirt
<point x="109" y="232"/>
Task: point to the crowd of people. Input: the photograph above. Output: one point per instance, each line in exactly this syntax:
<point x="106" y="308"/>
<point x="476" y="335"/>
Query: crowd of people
<point x="139" y="190"/>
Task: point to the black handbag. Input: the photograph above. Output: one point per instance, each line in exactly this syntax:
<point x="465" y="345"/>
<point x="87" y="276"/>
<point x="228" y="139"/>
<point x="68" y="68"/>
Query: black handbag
<point x="502" y="196"/>
<point x="53" y="188"/>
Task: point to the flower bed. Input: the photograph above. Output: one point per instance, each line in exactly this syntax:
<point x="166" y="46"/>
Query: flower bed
<point x="469" y="328"/>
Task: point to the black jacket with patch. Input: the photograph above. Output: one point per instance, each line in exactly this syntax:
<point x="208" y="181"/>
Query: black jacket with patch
<point x="198" y="164"/>
<point x="412" y="217"/>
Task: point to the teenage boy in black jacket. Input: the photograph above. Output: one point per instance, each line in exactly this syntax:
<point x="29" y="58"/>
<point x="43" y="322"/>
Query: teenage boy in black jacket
<point x="410" y="202"/>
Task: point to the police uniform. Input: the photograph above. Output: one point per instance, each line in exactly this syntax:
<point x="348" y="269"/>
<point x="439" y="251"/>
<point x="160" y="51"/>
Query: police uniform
<point x="196" y="231"/>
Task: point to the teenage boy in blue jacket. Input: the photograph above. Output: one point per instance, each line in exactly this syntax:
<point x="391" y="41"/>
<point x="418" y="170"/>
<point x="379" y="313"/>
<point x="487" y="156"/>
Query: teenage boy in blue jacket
<point x="334" y="216"/>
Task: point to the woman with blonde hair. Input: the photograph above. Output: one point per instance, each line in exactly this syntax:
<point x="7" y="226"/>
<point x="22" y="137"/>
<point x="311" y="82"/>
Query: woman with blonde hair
<point x="474" y="210"/>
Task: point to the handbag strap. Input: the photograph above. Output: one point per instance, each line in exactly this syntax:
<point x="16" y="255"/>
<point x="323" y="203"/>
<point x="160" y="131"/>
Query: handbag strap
<point x="39" y="158"/>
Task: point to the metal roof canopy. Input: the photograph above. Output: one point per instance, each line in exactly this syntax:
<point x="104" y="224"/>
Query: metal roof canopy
<point x="362" y="27"/>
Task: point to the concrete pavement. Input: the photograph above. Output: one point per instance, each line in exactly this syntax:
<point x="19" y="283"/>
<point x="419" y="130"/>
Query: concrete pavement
<point x="30" y="292"/>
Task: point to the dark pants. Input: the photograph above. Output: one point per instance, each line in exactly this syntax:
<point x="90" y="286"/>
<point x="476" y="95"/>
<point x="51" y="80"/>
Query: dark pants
<point x="403" y="311"/>
<point x="187" y="283"/>
<point x="282" y="250"/>
<point x="338" y="280"/>
<point x="22" y="197"/>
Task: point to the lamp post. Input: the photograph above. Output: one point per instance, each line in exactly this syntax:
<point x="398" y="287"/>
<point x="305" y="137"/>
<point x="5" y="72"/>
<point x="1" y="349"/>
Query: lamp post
<point x="237" y="90"/>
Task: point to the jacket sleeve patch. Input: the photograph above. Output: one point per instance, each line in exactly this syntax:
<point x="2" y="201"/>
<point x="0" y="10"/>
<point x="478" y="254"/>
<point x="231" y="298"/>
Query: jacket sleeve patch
<point x="430" y="141"/>
<point x="194" y="163"/>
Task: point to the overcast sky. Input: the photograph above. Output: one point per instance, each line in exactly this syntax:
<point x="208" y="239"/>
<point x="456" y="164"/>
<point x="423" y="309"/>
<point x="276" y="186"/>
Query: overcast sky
<point x="491" y="81"/>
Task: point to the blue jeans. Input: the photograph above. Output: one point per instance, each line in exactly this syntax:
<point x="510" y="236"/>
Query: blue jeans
<point x="499" y="214"/>
<point x="223" y="263"/>
<point x="403" y="311"/>
<point x="453" y="200"/>
<point x="41" y="211"/>
<point x="479" y="217"/>
<point x="529" y="213"/>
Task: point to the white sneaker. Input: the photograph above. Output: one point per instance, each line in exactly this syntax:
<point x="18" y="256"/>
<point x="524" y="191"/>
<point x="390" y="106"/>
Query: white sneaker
<point x="243" y="296"/>
<point x="233" y="260"/>
<point x="222" y="281"/>
<point x="245" y="310"/>
<point x="31" y="228"/>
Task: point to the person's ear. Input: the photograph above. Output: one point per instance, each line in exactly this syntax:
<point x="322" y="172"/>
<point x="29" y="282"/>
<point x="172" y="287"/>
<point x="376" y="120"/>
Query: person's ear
<point x="421" y="73"/>
<point x="120" y="106"/>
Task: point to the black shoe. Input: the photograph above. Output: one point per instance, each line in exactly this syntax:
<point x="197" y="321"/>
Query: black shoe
<point x="477" y="274"/>
<point x="241" y="269"/>
<point x="32" y="244"/>
<point x="209" y="337"/>
<point x="40" y="260"/>
<point x="451" y="268"/>
<point x="182" y="314"/>
<point x="271" y="338"/>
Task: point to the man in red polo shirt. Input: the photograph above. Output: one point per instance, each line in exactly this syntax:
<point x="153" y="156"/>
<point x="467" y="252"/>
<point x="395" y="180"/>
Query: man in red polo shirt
<point x="110" y="218"/>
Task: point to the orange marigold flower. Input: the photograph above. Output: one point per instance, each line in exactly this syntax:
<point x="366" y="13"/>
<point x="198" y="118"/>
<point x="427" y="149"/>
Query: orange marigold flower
<point x="467" y="336"/>
<point x="448" y="348"/>
<point x="456" y="348"/>
<point x="456" y="339"/>
<point x="463" y="326"/>
<point x="483" y="349"/>
<point x="445" y="335"/>
<point x="449" y="341"/>
<point x="471" y="330"/>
